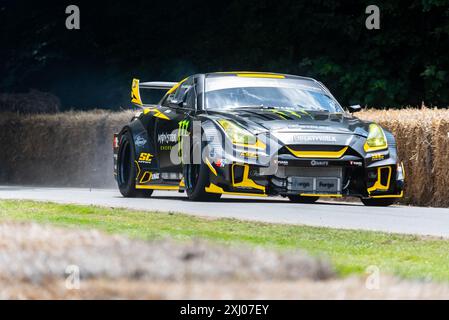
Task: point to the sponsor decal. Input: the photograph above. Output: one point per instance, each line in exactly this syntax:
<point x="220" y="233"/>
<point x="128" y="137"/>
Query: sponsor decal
<point x="281" y="162"/>
<point x="140" y="141"/>
<point x="155" y="176"/>
<point x="377" y="157"/>
<point x="220" y="163"/>
<point x="182" y="128"/>
<point x="315" y="163"/>
<point x="167" y="138"/>
<point x="248" y="154"/>
<point x="166" y="148"/>
<point x="182" y="132"/>
<point x="327" y="185"/>
<point x="321" y="138"/>
<point x="356" y="163"/>
<point x="305" y="185"/>
<point x="145" y="158"/>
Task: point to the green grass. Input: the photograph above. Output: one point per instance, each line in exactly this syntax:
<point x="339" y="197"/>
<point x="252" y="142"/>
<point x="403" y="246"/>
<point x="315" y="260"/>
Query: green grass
<point x="350" y="251"/>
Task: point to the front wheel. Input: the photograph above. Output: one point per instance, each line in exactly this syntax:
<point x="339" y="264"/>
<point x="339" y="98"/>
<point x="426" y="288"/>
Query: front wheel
<point x="383" y="202"/>
<point x="196" y="179"/>
<point x="301" y="199"/>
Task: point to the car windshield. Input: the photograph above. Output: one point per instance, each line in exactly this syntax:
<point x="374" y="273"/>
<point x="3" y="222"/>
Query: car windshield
<point x="244" y="92"/>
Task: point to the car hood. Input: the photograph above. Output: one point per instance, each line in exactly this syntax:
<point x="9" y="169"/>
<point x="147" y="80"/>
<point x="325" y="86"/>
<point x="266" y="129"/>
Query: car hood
<point x="283" y="120"/>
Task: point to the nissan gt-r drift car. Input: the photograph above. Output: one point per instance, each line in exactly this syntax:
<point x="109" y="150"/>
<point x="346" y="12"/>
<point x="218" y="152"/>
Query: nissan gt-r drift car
<point x="255" y="134"/>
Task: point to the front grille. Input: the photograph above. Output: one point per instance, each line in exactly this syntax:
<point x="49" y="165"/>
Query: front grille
<point x="318" y="148"/>
<point x="284" y="172"/>
<point x="312" y="180"/>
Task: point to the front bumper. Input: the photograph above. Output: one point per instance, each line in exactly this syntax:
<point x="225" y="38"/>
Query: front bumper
<point x="351" y="174"/>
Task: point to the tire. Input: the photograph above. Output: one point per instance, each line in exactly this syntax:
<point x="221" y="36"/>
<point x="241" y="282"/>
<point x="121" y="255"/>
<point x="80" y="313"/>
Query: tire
<point x="300" y="199"/>
<point x="196" y="179"/>
<point x="126" y="170"/>
<point x="385" y="202"/>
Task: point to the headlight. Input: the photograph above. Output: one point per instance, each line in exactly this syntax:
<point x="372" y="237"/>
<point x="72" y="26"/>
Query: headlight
<point x="376" y="139"/>
<point x="240" y="136"/>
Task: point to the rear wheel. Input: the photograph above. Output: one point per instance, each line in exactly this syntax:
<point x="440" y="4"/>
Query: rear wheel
<point x="196" y="179"/>
<point x="383" y="202"/>
<point x="301" y="199"/>
<point x="126" y="169"/>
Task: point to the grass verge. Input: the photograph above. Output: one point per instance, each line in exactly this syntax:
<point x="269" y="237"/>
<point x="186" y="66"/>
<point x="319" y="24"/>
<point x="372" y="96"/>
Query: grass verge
<point x="350" y="251"/>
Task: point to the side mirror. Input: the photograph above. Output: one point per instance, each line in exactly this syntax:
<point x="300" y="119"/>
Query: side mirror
<point x="355" y="108"/>
<point x="174" y="103"/>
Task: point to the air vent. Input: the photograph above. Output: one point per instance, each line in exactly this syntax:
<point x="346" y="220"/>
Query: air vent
<point x="238" y="173"/>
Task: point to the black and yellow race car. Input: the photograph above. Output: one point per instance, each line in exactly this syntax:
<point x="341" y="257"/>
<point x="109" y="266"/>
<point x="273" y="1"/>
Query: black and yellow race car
<point x="255" y="134"/>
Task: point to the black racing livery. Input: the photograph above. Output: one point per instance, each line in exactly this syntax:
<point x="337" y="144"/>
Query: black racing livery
<point x="254" y="134"/>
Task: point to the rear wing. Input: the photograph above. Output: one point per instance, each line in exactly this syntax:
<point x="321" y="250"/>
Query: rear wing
<point x="158" y="85"/>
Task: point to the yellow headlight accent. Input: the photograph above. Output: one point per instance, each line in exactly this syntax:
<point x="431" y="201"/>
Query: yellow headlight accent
<point x="376" y="139"/>
<point x="240" y="136"/>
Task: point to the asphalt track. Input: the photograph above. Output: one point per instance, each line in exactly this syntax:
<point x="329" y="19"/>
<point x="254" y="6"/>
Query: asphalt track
<point x="395" y="219"/>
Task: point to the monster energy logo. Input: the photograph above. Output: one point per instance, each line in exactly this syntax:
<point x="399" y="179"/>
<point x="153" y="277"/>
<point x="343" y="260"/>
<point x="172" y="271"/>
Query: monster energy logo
<point x="182" y="132"/>
<point x="182" y="128"/>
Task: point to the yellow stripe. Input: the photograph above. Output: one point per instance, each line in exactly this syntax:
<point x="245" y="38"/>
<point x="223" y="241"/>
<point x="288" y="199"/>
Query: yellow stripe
<point x="294" y="113"/>
<point x="378" y="185"/>
<point x="143" y="176"/>
<point x="138" y="169"/>
<point x="161" y="115"/>
<point x="321" y="195"/>
<point x="176" y="86"/>
<point x="280" y="113"/>
<point x="246" y="181"/>
<point x="211" y="167"/>
<point x="157" y="113"/>
<point x="318" y="154"/>
<point x="258" y="145"/>
<point x="367" y="148"/>
<point x="260" y="75"/>
<point x="216" y="189"/>
<point x="155" y="187"/>
<point x="390" y="195"/>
